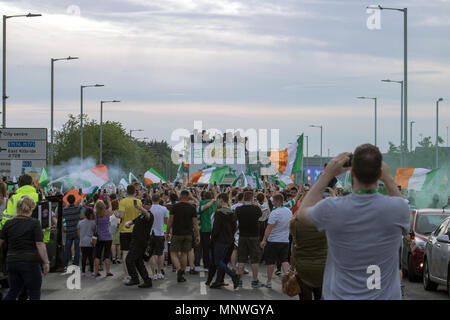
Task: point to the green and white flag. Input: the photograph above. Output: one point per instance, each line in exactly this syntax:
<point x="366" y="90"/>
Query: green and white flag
<point x="123" y="184"/>
<point x="132" y="177"/>
<point x="180" y="174"/>
<point x="44" y="180"/>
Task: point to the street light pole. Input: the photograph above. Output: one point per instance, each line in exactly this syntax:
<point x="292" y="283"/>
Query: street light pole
<point x="321" y="136"/>
<point x="410" y="134"/>
<point x="4" y="96"/>
<point x="101" y="127"/>
<point x="405" y="72"/>
<point x="81" y="117"/>
<point x="375" y="100"/>
<point x="437" y="131"/>
<point x="137" y="130"/>
<point x="52" y="154"/>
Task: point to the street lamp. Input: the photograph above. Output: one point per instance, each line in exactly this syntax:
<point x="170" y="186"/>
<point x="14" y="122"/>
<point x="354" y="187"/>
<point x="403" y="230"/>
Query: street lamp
<point x="137" y="130"/>
<point x="405" y="71"/>
<point x="374" y="99"/>
<point x="437" y="131"/>
<point x="401" y="117"/>
<point x="101" y="126"/>
<point x="321" y="131"/>
<point x="410" y="134"/>
<point x="4" y="96"/>
<point x="53" y="60"/>
<point x="81" y="115"/>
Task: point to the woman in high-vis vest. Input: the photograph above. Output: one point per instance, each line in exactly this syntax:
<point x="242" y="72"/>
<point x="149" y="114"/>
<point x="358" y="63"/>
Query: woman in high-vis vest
<point x="26" y="251"/>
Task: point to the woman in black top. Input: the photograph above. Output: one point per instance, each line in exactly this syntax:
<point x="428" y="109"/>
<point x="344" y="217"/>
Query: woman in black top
<point x="25" y="251"/>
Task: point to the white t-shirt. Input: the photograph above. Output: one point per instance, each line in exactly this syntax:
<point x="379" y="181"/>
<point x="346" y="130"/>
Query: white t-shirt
<point x="280" y="218"/>
<point x="159" y="213"/>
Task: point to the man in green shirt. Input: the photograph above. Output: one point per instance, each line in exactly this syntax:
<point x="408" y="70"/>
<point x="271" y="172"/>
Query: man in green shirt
<point x="206" y="208"/>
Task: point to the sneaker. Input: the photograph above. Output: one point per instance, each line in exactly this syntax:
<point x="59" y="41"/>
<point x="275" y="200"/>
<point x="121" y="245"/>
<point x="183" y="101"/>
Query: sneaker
<point x="278" y="272"/>
<point x="256" y="284"/>
<point x="93" y="274"/>
<point x="269" y="284"/>
<point x="109" y="274"/>
<point x="162" y="272"/>
<point x="113" y="261"/>
<point x="155" y="277"/>
<point x="188" y="268"/>
<point x="146" y="284"/>
<point x="118" y="261"/>
<point x="98" y="275"/>
<point x="126" y="279"/>
<point x="132" y="282"/>
<point x="236" y="282"/>
<point x="215" y="285"/>
<point x="246" y="271"/>
<point x="180" y="276"/>
<point x="160" y="276"/>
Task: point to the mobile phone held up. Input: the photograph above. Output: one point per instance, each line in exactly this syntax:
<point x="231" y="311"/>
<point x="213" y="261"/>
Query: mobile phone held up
<point x="348" y="164"/>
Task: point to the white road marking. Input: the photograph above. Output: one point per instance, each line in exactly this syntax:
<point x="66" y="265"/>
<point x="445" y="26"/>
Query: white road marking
<point x="202" y="288"/>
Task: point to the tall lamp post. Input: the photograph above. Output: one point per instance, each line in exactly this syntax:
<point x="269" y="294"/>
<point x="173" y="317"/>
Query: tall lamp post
<point x="321" y="135"/>
<point x="101" y="126"/>
<point x="374" y="99"/>
<point x="53" y="60"/>
<point x="81" y="116"/>
<point x="410" y="134"/>
<point x="437" y="131"/>
<point x="401" y="118"/>
<point x="405" y="71"/>
<point x="4" y="96"/>
<point x="137" y="130"/>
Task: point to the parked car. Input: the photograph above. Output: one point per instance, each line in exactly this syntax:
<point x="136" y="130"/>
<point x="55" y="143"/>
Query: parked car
<point x="423" y="223"/>
<point x="436" y="268"/>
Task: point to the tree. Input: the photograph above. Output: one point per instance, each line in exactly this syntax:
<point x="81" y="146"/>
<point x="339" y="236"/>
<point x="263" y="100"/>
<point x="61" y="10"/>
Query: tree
<point x="119" y="149"/>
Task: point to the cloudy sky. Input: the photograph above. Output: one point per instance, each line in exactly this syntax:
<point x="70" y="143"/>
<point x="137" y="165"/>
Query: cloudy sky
<point x="263" y="64"/>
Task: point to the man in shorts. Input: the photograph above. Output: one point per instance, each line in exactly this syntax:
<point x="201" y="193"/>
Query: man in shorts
<point x="248" y="215"/>
<point x="157" y="239"/>
<point x="276" y="238"/>
<point x="183" y="218"/>
<point x="127" y="212"/>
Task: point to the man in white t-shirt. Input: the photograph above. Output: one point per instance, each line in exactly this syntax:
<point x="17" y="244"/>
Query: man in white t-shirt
<point x="157" y="237"/>
<point x="276" y="238"/>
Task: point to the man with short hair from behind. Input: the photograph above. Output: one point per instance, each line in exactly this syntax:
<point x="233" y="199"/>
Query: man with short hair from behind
<point x="71" y="217"/>
<point x="127" y="212"/>
<point x="157" y="238"/>
<point x="248" y="215"/>
<point x="363" y="229"/>
<point x="276" y="238"/>
<point x="183" y="218"/>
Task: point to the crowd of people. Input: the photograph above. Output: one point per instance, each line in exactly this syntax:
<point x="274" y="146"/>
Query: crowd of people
<point x="329" y="239"/>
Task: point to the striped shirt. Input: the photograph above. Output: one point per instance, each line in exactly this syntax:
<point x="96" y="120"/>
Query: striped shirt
<point x="71" y="217"/>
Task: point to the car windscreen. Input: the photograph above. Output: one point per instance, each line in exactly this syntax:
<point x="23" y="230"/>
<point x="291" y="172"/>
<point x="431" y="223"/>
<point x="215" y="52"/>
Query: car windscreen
<point x="427" y="223"/>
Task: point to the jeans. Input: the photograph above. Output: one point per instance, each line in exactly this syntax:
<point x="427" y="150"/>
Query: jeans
<point x="24" y="275"/>
<point x="205" y="242"/>
<point x="135" y="260"/>
<point x="67" y="250"/>
<point x="220" y="251"/>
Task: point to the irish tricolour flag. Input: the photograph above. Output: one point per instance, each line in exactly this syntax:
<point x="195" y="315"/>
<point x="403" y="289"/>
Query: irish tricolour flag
<point x="152" y="176"/>
<point x="289" y="160"/>
<point x="414" y="178"/>
<point x="209" y="175"/>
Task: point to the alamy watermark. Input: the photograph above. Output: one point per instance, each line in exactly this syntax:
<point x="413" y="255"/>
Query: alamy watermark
<point x="74" y="280"/>
<point x="374" y="20"/>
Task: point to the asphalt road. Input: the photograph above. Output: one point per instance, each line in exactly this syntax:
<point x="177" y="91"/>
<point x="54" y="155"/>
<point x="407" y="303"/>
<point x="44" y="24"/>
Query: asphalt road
<point x="54" y="287"/>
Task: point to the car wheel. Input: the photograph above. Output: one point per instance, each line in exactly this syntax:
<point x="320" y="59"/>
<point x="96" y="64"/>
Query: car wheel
<point x="427" y="283"/>
<point x="412" y="276"/>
